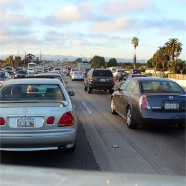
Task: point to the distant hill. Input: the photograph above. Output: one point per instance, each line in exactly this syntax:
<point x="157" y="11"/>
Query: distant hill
<point x="62" y="58"/>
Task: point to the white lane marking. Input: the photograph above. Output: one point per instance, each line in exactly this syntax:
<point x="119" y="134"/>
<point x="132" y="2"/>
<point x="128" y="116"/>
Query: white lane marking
<point x="86" y="107"/>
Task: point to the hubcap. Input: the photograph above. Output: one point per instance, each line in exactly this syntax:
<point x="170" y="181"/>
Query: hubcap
<point x="128" y="117"/>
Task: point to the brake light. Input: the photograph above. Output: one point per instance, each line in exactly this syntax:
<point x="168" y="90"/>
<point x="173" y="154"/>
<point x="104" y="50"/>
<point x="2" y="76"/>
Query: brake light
<point x="144" y="102"/>
<point x="50" y="120"/>
<point x="91" y="79"/>
<point x="67" y="119"/>
<point x="2" y="121"/>
<point x="113" y="79"/>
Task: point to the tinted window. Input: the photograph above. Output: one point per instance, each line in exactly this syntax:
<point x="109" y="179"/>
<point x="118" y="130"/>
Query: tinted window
<point x="31" y="92"/>
<point x="160" y="87"/>
<point x="102" y="73"/>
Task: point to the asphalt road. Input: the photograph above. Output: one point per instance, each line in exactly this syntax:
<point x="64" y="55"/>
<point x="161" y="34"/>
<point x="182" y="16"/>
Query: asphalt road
<point x="82" y="158"/>
<point x="147" y="150"/>
<point x="105" y="143"/>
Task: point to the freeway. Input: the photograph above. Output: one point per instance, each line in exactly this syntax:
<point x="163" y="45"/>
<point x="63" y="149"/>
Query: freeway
<point x="148" y="150"/>
<point x="105" y="143"/>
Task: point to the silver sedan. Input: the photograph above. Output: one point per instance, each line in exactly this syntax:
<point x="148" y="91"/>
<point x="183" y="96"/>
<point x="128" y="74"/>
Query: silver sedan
<point x="36" y="114"/>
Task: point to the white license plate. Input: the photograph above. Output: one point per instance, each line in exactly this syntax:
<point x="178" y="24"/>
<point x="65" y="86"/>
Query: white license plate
<point x="171" y="106"/>
<point x="102" y="80"/>
<point x="26" y="122"/>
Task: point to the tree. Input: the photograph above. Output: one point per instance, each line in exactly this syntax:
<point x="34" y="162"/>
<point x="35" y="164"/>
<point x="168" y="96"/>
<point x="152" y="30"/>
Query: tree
<point x="174" y="48"/>
<point x="112" y="62"/>
<point x="97" y="62"/>
<point x="30" y="57"/>
<point x="135" y="42"/>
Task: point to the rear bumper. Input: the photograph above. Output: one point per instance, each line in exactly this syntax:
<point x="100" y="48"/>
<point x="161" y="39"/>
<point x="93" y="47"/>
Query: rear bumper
<point x="31" y="141"/>
<point x="101" y="86"/>
<point x="150" y="117"/>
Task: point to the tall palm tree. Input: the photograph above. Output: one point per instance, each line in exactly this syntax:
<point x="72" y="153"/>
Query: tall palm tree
<point x="174" y="47"/>
<point x="135" y="42"/>
<point x="162" y="55"/>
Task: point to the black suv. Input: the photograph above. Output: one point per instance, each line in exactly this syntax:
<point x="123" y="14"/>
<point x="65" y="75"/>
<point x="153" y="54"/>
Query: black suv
<point x="100" y="79"/>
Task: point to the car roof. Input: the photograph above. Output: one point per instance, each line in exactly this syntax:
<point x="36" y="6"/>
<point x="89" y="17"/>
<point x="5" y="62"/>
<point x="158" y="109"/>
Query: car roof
<point x="48" y="75"/>
<point x="149" y="78"/>
<point x="33" y="80"/>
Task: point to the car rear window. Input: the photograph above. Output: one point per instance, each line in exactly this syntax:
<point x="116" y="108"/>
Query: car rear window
<point x="136" y="71"/>
<point x="31" y="92"/>
<point x="102" y="73"/>
<point x="160" y="87"/>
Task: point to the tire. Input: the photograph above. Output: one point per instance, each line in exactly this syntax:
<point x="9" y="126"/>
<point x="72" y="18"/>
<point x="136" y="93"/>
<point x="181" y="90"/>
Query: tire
<point x="85" y="88"/>
<point x="130" y="121"/>
<point x="113" y="111"/>
<point x="111" y="90"/>
<point x="89" y="90"/>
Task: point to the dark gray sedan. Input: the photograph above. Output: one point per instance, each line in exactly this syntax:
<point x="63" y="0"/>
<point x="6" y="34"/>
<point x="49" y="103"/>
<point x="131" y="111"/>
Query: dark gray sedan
<point x="150" y="100"/>
<point x="36" y="114"/>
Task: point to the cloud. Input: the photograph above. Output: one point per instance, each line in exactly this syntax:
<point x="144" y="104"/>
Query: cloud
<point x="125" y="6"/>
<point x="113" y="25"/>
<point x="68" y="15"/>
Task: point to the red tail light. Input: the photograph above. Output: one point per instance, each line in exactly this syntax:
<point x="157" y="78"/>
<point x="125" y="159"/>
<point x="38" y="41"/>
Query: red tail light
<point x="114" y="79"/>
<point x="2" y="121"/>
<point x="143" y="102"/>
<point x="91" y="79"/>
<point x="67" y="119"/>
<point x="50" y="120"/>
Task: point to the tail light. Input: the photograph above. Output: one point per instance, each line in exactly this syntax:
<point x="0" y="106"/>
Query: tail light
<point x="91" y="79"/>
<point x="113" y="79"/>
<point x="50" y="120"/>
<point x="67" y="119"/>
<point x="2" y="121"/>
<point x="144" y="102"/>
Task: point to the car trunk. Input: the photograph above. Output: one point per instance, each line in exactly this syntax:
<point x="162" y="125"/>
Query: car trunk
<point x="31" y="116"/>
<point x="167" y="102"/>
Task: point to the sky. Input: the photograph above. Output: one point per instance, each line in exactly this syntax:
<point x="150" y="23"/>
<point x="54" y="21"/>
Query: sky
<point x="86" y="28"/>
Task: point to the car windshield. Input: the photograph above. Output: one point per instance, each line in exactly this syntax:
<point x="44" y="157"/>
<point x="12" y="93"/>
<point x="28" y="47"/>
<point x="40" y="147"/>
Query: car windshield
<point x="33" y="92"/>
<point x="102" y="73"/>
<point x="160" y="87"/>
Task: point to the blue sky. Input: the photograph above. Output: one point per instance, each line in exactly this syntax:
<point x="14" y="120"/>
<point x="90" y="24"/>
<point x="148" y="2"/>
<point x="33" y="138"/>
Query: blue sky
<point x="90" y="27"/>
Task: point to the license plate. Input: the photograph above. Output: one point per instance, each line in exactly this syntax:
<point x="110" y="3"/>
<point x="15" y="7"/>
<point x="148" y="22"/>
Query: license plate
<point x="171" y="105"/>
<point x="102" y="80"/>
<point x="26" y="122"/>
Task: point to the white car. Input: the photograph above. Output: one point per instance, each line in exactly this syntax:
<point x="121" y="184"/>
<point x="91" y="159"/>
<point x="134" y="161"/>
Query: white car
<point x="36" y="114"/>
<point x="77" y="75"/>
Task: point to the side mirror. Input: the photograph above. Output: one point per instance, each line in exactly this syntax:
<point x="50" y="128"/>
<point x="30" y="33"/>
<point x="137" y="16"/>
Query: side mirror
<point x="71" y="93"/>
<point x="120" y="89"/>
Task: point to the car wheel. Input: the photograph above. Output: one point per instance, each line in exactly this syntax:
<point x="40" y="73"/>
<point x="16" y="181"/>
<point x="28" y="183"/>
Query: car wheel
<point x="130" y="121"/>
<point x="113" y="107"/>
<point x="89" y="90"/>
<point x="111" y="90"/>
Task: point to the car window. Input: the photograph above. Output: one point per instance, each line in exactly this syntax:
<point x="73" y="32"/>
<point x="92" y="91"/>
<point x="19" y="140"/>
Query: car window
<point x="102" y="73"/>
<point x="12" y="92"/>
<point x="160" y="87"/>
<point x="130" y="87"/>
<point x="124" y="85"/>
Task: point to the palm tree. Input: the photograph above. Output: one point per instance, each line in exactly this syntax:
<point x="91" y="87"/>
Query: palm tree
<point x="162" y="55"/>
<point x="174" y="47"/>
<point x="135" y="42"/>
